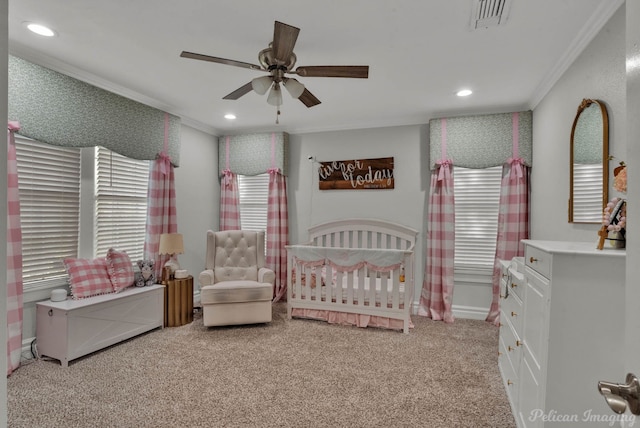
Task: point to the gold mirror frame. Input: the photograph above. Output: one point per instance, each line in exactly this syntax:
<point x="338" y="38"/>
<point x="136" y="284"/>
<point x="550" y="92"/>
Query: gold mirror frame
<point x="586" y="103"/>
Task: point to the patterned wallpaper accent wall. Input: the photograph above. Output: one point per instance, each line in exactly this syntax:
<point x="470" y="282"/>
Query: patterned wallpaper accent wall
<point x="482" y="141"/>
<point x="60" y="110"/>
<point x="250" y="154"/>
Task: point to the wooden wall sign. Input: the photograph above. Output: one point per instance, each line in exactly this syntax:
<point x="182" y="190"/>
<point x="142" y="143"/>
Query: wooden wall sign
<point x="356" y="174"/>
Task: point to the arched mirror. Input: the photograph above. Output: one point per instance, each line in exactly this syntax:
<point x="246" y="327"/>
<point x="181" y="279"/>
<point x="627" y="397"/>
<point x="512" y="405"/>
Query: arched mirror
<point x="588" y="163"/>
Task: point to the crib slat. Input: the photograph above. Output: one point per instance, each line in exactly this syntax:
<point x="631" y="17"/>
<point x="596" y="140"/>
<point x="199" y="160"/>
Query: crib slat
<point x="361" y="291"/>
<point x="396" y="289"/>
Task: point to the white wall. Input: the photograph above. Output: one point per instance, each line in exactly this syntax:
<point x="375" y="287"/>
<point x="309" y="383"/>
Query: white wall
<point x="197" y="195"/>
<point x="405" y="204"/>
<point x="598" y="73"/>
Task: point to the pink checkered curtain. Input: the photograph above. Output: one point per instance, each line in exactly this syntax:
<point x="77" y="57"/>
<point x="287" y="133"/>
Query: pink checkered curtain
<point x="161" y="210"/>
<point x="14" y="256"/>
<point x="513" y="224"/>
<point x="277" y="231"/>
<point x="437" y="286"/>
<point x="229" y="201"/>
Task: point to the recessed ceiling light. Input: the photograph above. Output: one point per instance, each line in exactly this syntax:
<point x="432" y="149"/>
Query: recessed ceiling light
<point x="229" y="116"/>
<point x="464" y="92"/>
<point x="40" y="29"/>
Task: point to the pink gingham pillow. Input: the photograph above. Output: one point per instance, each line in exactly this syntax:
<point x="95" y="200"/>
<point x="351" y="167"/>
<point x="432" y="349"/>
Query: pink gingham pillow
<point x="88" y="277"/>
<point x="120" y="269"/>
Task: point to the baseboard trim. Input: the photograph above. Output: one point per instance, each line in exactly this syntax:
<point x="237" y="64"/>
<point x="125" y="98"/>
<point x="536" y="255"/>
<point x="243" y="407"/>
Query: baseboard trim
<point x="470" y="312"/>
<point x="462" y="312"/>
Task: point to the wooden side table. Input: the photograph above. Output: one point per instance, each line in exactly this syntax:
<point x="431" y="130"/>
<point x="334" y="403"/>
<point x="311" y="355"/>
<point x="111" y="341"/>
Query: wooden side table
<point x="178" y="302"/>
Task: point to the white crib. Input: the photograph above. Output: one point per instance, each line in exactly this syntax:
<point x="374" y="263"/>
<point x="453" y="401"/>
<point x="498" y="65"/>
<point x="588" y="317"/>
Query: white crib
<point x="351" y="272"/>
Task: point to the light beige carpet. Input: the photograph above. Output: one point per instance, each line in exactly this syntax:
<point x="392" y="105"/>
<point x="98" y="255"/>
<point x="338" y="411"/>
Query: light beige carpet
<point x="289" y="373"/>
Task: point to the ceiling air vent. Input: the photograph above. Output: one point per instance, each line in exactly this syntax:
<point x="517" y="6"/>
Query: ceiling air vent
<point x="489" y="13"/>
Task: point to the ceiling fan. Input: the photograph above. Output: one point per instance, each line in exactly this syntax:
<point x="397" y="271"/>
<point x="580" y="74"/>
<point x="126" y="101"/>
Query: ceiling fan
<point x="278" y="60"/>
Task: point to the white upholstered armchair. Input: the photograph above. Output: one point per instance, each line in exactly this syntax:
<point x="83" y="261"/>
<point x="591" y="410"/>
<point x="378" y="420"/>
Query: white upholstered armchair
<point x="235" y="287"/>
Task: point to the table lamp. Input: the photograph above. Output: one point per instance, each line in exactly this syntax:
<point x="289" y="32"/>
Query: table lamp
<point x="171" y="243"/>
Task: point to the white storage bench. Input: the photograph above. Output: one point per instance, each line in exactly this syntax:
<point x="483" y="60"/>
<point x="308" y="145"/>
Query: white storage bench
<point x="73" y="328"/>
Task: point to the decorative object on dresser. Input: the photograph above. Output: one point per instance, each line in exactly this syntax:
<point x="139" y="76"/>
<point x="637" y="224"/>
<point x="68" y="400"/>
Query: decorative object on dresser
<point x="171" y="244"/>
<point x="236" y="287"/>
<point x="561" y="318"/>
<point x="614" y="216"/>
<point x="349" y="273"/>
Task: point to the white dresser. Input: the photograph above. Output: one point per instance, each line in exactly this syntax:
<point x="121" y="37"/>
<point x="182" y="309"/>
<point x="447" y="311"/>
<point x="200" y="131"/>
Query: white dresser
<point x="562" y="322"/>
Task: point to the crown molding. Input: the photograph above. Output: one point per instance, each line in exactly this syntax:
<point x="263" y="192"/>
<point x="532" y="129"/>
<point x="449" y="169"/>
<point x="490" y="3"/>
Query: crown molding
<point x="593" y="26"/>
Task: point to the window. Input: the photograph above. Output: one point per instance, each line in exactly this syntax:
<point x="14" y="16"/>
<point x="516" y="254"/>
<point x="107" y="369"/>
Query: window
<point x="121" y="203"/>
<point x="477" y="198"/>
<point x="57" y="203"/>
<point x="49" y="183"/>
<point x="254" y="198"/>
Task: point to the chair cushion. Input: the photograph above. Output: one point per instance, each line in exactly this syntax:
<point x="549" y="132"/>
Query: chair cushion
<point x="236" y="292"/>
<point x="236" y="256"/>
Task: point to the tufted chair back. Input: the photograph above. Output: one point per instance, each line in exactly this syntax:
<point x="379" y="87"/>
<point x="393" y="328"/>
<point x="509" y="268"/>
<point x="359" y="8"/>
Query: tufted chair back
<point x="235" y="254"/>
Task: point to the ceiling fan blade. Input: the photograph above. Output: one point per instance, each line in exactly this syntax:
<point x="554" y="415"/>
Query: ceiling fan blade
<point x="245" y="89"/>
<point x="351" y="71"/>
<point x="284" y="39"/>
<point x="309" y="99"/>
<point x="201" y="57"/>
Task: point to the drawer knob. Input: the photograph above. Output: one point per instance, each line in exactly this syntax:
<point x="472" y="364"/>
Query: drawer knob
<point x="518" y="343"/>
<point x="502" y="296"/>
<point x="509" y="348"/>
<point x="509" y="382"/>
<point x="50" y="312"/>
<point x="513" y="285"/>
<point x="499" y="353"/>
<point x="513" y="314"/>
<point x="532" y="260"/>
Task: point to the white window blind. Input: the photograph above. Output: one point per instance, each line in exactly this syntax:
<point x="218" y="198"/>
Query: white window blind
<point x="121" y="203"/>
<point x="49" y="183"/>
<point x="477" y="197"/>
<point x="254" y="197"/>
<point x="587" y="193"/>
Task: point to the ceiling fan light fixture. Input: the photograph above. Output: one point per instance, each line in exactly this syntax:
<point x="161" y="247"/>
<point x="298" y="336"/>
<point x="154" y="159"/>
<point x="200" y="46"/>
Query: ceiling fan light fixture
<point x="275" y="96"/>
<point x="294" y="87"/>
<point x="261" y="84"/>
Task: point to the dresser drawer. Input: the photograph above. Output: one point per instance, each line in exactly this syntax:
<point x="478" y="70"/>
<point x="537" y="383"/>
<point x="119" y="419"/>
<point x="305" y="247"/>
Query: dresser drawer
<point x="512" y="311"/>
<point x="516" y="283"/>
<point x="538" y="260"/>
<point x="511" y="342"/>
<point x="509" y="374"/>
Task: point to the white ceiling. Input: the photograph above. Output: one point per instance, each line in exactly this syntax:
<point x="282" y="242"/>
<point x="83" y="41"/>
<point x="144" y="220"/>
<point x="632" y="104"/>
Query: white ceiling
<point x="419" y="53"/>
